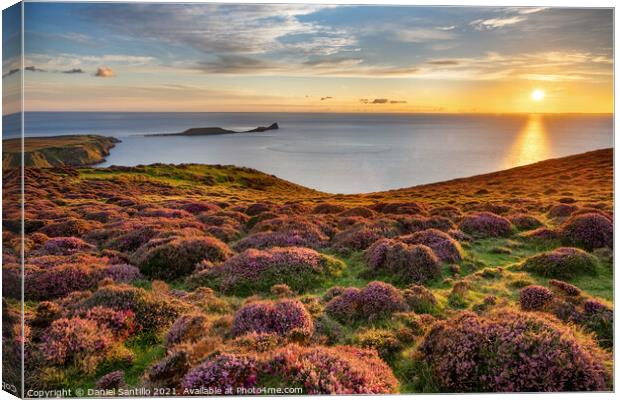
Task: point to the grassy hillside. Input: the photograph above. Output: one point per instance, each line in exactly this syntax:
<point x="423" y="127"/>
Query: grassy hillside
<point x="208" y="268"/>
<point x="53" y="151"/>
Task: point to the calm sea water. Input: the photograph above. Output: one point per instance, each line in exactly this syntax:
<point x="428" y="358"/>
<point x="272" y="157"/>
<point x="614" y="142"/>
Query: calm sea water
<point x="341" y="153"/>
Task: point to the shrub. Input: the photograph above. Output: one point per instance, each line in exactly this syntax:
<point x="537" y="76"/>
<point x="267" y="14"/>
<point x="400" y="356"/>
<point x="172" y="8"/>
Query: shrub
<point x="169" y="371"/>
<point x="328" y="208"/>
<point x="598" y="318"/>
<point x="75" y="341"/>
<point x="224" y="372"/>
<point x="525" y="222"/>
<point x="443" y="246"/>
<point x="152" y="311"/>
<point x="380" y="299"/>
<point x="120" y="323"/>
<point x="410" y="263"/>
<point x="345" y="307"/>
<point x="122" y="273"/>
<point x="358" y="212"/>
<point x="588" y="231"/>
<point x="411" y="208"/>
<point x="543" y="234"/>
<point x="328" y="331"/>
<point x="383" y="341"/>
<point x="266" y="240"/>
<point x="178" y="257"/>
<point x="420" y="299"/>
<point x="511" y="352"/>
<point x="376" y="300"/>
<point x="66" y="246"/>
<point x="59" y="281"/>
<point x="258" y="270"/>
<point x="113" y="380"/>
<point x="566" y="288"/>
<point x="563" y="262"/>
<point x="485" y="224"/>
<point x="69" y="227"/>
<point x="333" y="370"/>
<point x="562" y="210"/>
<point x="281" y="291"/>
<point x="187" y="328"/>
<point x="534" y="297"/>
<point x="282" y="317"/>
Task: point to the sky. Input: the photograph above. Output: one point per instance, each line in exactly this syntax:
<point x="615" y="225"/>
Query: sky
<point x="313" y="58"/>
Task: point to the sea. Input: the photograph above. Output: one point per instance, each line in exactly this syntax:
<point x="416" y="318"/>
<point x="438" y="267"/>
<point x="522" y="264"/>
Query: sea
<point x="337" y="153"/>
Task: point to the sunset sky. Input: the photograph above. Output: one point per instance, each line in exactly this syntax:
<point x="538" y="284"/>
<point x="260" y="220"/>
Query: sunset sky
<point x="317" y="58"/>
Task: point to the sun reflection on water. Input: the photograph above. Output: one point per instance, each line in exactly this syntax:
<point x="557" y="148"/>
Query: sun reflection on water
<point x="531" y="144"/>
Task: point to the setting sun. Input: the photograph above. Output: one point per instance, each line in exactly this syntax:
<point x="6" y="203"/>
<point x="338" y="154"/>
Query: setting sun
<point x="538" y="95"/>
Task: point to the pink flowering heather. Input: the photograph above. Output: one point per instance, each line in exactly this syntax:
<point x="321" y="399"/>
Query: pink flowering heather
<point x="258" y="208"/>
<point x="122" y="273"/>
<point x="120" y="323"/>
<point x="266" y="240"/>
<point x="328" y="208"/>
<point x="358" y="212"/>
<point x="188" y="328"/>
<point x="420" y="299"/>
<point x="112" y="380"/>
<point x="542" y="233"/>
<point x="485" y="224"/>
<point x="333" y="370"/>
<point x="563" y="262"/>
<point x="417" y="224"/>
<point x="66" y="246"/>
<point x="224" y="372"/>
<point x="562" y="210"/>
<point x="169" y="371"/>
<point x="257" y="270"/>
<point x="511" y="352"/>
<point x="380" y="299"/>
<point x="69" y="227"/>
<point x="60" y="281"/>
<point x="345" y="307"/>
<point x="450" y="212"/>
<point x="525" y="222"/>
<point x="178" y="257"/>
<point x="411" y="263"/>
<point x="443" y="246"/>
<point x="534" y="297"/>
<point x="79" y="341"/>
<point x="164" y="213"/>
<point x="566" y="288"/>
<point x="588" y="231"/>
<point x="281" y="317"/>
<point x="410" y="208"/>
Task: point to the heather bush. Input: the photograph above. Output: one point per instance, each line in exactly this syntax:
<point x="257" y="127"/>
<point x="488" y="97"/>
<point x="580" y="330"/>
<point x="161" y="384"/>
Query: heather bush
<point x="169" y="371"/>
<point x="485" y="224"/>
<point x="122" y="273"/>
<point x="178" y="257"/>
<point x="411" y="208"/>
<point x="345" y="307"/>
<point x="511" y="352"/>
<point x="534" y="297"/>
<point x="151" y="311"/>
<point x="225" y="372"/>
<point x="566" y="288"/>
<point x="258" y="270"/>
<point x="380" y="299"/>
<point x="51" y="283"/>
<point x="375" y="301"/>
<point x="450" y="212"/>
<point x="281" y="291"/>
<point x="525" y="222"/>
<point x="358" y="212"/>
<point x="588" y="231"/>
<point x="266" y="240"/>
<point x="328" y="208"/>
<point x="563" y="262"/>
<point x="120" y="323"/>
<point x="443" y="246"/>
<point x="76" y="341"/>
<point x="282" y="317"/>
<point x="69" y="227"/>
<point x="562" y="210"/>
<point x="66" y="246"/>
<point x="361" y="236"/>
<point x="417" y="224"/>
<point x="187" y="328"/>
<point x="112" y="380"/>
<point x="599" y="318"/>
<point x="328" y="330"/>
<point x="333" y="370"/>
<point x="420" y="299"/>
<point x="206" y="299"/>
<point x="540" y="234"/>
<point x="410" y="263"/>
<point x="383" y="341"/>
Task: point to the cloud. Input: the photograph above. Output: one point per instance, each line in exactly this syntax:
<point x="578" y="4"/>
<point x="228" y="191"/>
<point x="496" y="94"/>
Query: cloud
<point x="32" y="68"/>
<point x="326" y="98"/>
<point x="494" y="23"/>
<point x="382" y="101"/>
<point x="421" y="35"/>
<point x="443" y="62"/>
<point x="530" y="10"/>
<point x="73" y="71"/>
<point x="104" y="72"/>
<point x="236" y="64"/>
<point x="446" y="28"/>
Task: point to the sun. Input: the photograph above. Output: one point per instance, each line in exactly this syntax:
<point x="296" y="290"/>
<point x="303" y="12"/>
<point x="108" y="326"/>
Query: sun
<point x="537" y="95"/>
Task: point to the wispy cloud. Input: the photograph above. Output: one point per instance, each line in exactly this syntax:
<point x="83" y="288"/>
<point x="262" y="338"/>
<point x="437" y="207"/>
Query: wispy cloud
<point x="74" y="71"/>
<point x="494" y="23"/>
